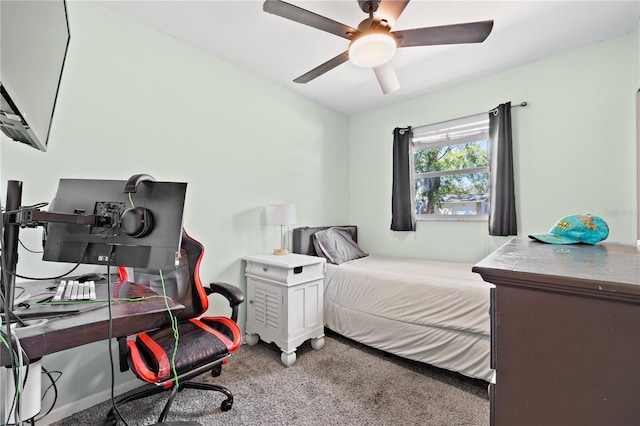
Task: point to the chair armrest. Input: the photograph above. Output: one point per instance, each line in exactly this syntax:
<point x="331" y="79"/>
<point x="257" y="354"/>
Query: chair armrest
<point x="232" y="293"/>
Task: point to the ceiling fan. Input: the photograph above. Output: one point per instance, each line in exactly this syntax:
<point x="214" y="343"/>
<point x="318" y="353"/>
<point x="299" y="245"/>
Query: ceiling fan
<point x="373" y="44"/>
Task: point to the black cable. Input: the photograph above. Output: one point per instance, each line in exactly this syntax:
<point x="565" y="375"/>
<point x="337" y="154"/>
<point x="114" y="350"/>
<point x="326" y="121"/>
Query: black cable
<point x="35" y="206"/>
<point x="55" y="394"/>
<point x="15" y="401"/>
<point x="4" y="281"/>
<point x="17" y="319"/>
<point x="24" y="380"/>
<point x="12" y="338"/>
<point x="12" y="355"/>
<point x="28" y="249"/>
<point x="15" y="390"/>
<point x="11" y="315"/>
<point x="16" y="296"/>
<point x="110" y="337"/>
<point x="49" y="278"/>
<point x="84" y="252"/>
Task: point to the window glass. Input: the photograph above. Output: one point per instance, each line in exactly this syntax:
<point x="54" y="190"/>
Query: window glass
<point x="451" y="170"/>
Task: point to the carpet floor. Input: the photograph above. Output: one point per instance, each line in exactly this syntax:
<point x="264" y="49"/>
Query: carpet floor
<point x="344" y="383"/>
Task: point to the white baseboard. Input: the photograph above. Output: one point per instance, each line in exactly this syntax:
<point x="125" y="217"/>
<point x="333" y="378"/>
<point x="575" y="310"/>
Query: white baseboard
<point x="63" y="411"/>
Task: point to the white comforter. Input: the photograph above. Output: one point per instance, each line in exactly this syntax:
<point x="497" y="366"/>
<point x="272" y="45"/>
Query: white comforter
<point x="434" y="312"/>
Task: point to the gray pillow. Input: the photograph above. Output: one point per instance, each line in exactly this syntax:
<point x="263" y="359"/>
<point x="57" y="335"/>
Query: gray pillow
<point x="336" y="245"/>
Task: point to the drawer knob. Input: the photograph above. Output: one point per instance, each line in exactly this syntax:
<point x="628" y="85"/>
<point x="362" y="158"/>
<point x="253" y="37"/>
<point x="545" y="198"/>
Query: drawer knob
<point x="251" y="302"/>
<point x="265" y="269"/>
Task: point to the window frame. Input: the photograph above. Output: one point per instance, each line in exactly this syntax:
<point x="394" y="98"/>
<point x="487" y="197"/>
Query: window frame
<point x="473" y="128"/>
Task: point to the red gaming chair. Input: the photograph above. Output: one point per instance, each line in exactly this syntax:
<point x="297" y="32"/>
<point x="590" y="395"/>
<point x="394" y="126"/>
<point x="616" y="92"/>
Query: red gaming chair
<point x="204" y="343"/>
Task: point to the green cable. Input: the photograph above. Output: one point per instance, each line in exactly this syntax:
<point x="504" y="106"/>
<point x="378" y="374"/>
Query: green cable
<point x="6" y="344"/>
<point x="16" y="387"/>
<point x="83" y="302"/>
<point x="17" y="390"/>
<point x="174" y="327"/>
<point x="131" y="200"/>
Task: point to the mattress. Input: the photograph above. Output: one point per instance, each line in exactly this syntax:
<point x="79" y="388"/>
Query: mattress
<point x="428" y="311"/>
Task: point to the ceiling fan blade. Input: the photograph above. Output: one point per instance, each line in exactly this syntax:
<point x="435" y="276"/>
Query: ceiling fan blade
<point x="387" y="79"/>
<point x="471" y="32"/>
<point x="303" y="16"/>
<point x="391" y="10"/>
<point x="327" y="66"/>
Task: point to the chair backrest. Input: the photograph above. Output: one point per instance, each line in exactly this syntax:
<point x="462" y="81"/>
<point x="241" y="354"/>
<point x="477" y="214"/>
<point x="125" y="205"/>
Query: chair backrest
<point x="181" y="284"/>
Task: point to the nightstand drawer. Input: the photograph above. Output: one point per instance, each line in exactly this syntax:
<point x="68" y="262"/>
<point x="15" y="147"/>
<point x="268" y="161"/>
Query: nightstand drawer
<point x="288" y="269"/>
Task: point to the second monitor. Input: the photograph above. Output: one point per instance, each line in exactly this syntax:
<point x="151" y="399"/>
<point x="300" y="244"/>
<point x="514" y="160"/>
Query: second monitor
<point x="142" y="227"/>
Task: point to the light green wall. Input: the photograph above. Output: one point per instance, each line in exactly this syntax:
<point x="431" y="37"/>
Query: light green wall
<point x="135" y="101"/>
<point x="574" y="148"/>
<point x="636" y="48"/>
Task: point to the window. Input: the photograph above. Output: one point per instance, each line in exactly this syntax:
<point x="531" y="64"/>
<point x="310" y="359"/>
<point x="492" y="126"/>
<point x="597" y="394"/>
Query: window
<point x="451" y="169"/>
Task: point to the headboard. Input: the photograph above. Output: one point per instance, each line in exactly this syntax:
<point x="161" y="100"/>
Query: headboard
<point x="303" y="244"/>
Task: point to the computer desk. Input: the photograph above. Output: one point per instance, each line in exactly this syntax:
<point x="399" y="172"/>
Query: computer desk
<point x="92" y="324"/>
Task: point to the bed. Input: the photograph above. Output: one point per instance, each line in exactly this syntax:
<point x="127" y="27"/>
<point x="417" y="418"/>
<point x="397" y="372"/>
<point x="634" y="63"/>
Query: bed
<point x="428" y="311"/>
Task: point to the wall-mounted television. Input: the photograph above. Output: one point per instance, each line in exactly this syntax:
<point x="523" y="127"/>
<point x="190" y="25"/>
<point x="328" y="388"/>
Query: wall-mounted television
<point x="34" y="37"/>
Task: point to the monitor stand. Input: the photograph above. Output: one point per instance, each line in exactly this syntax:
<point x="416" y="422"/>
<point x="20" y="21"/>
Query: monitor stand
<point x="10" y="240"/>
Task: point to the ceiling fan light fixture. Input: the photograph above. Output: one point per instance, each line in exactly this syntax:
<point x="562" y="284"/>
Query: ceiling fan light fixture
<point x="372" y="50"/>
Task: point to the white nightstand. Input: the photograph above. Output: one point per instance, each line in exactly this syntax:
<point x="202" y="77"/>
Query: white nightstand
<point x="285" y="302"/>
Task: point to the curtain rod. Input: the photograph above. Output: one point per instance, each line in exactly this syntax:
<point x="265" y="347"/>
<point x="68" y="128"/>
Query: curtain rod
<point x="521" y="104"/>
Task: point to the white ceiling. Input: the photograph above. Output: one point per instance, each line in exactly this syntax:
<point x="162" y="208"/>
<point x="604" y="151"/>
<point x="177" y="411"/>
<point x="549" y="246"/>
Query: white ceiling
<point x="281" y="50"/>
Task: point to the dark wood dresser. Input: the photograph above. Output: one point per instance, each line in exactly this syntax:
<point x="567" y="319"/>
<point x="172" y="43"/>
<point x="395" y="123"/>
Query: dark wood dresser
<point x="565" y="331"/>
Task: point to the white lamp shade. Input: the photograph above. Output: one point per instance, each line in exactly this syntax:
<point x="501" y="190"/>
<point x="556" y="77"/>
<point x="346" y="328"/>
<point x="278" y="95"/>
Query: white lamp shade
<point x="372" y="50"/>
<point x="281" y="214"/>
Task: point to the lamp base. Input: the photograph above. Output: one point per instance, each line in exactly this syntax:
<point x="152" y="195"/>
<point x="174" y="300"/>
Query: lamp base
<point x="280" y="252"/>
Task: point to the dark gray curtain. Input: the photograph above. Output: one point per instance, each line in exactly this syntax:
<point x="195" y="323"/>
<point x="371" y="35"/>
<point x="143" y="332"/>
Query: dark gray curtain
<point x="402" y="214"/>
<point x="502" y="213"/>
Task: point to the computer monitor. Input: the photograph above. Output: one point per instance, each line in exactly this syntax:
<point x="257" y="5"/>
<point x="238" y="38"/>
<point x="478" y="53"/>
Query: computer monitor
<point x="140" y="229"/>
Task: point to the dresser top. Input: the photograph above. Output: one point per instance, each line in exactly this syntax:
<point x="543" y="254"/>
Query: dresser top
<point x="286" y="260"/>
<point x="604" y="267"/>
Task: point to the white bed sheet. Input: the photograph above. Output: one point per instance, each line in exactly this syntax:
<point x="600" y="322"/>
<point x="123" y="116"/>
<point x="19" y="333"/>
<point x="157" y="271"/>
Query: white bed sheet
<point x="428" y="311"/>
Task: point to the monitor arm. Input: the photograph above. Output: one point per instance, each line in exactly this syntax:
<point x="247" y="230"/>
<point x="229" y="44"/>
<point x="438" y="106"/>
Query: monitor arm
<point x="17" y="217"/>
<point x="30" y="217"/>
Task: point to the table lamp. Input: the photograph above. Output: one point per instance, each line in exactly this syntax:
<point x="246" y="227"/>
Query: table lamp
<point x="281" y="215"/>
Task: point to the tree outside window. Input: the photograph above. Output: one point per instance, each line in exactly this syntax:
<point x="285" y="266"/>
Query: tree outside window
<point x="451" y="172"/>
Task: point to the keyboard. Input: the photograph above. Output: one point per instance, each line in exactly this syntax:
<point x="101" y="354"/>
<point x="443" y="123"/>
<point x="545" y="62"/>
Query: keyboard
<point x="72" y="290"/>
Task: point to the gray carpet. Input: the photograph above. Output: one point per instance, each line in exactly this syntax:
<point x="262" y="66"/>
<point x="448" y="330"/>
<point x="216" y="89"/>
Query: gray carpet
<point x="344" y="383"/>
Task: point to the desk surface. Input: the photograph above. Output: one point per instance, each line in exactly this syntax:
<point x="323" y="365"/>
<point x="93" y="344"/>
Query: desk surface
<point x="91" y="325"/>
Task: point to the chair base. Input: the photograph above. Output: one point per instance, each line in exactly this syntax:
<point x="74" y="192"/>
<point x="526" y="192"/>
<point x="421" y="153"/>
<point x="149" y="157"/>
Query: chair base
<point x="226" y="404"/>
